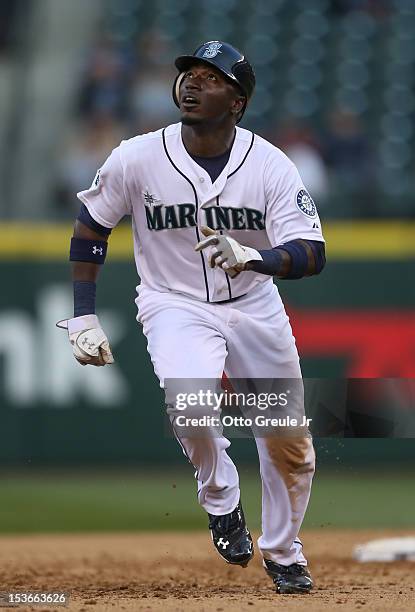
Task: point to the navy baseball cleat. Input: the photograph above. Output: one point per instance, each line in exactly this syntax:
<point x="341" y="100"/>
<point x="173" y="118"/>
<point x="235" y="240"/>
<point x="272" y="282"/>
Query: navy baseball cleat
<point x="231" y="537"/>
<point x="293" y="578"/>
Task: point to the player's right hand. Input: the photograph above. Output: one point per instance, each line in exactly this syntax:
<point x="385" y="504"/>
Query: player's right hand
<point x="226" y="252"/>
<point x="89" y="343"/>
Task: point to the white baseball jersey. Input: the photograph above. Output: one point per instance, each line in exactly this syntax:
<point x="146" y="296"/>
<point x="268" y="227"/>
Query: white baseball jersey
<point x="259" y="199"/>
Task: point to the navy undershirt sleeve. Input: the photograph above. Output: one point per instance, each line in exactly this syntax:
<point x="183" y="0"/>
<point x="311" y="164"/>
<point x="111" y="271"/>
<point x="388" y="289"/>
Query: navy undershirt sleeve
<point x="84" y="293"/>
<point x="85" y="218"/>
<point x="272" y="259"/>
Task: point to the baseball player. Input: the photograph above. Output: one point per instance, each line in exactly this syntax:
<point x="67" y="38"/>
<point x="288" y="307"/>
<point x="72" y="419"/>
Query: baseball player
<point x="217" y="212"/>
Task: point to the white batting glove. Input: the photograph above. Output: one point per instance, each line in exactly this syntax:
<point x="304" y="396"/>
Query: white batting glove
<point x="226" y="252"/>
<point x="89" y="342"/>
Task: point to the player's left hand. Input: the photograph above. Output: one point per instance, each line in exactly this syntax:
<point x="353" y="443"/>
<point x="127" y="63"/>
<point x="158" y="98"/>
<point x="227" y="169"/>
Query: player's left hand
<point x="226" y="252"/>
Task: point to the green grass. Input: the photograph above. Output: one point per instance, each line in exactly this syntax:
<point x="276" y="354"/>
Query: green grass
<point x="127" y="500"/>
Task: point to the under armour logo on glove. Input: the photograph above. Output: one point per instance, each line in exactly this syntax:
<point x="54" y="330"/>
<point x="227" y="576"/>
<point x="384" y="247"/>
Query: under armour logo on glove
<point x="222" y="543"/>
<point x="89" y="345"/>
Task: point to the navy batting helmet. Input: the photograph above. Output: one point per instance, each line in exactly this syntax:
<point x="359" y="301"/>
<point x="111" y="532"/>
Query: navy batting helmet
<point x="231" y="62"/>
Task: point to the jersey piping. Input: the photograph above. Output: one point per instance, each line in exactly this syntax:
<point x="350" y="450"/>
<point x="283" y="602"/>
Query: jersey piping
<point x="197" y="209"/>
<point x="226" y="275"/>
<point x="246" y="155"/>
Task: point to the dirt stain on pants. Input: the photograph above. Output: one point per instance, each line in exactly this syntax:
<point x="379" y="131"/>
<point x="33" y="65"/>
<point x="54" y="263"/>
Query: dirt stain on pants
<point x="294" y="459"/>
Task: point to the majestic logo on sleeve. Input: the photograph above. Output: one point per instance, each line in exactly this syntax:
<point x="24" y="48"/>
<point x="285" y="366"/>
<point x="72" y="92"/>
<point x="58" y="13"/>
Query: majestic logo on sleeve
<point x="306" y="203"/>
<point x="212" y="50"/>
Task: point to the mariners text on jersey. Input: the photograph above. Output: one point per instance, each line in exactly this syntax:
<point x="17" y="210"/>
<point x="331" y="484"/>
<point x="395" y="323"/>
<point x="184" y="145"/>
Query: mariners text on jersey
<point x="217" y="217"/>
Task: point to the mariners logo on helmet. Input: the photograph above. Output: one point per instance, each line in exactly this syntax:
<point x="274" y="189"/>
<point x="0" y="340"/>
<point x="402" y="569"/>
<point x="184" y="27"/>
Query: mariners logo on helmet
<point x="212" y="50"/>
<point x="306" y="203"/>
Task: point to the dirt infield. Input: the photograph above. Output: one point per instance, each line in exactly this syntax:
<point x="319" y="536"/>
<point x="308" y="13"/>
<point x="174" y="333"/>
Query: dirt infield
<point x="182" y="572"/>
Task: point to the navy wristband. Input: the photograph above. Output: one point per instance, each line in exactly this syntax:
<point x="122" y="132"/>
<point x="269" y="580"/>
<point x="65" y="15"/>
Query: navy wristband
<point x="84" y="293"/>
<point x="270" y="264"/>
<point x="92" y="251"/>
<point x="299" y="259"/>
<point x="319" y="253"/>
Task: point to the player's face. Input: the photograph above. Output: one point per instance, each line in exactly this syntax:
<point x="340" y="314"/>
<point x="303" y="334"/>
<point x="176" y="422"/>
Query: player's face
<point x="207" y="97"/>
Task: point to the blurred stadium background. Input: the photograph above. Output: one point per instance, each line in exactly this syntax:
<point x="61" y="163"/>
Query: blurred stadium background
<point x="85" y="449"/>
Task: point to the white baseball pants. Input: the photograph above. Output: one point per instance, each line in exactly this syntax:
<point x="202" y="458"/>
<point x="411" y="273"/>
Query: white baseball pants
<point x="248" y="338"/>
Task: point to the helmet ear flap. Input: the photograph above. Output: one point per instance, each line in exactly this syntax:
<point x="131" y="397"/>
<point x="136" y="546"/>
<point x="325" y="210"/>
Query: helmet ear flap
<point x="176" y="88"/>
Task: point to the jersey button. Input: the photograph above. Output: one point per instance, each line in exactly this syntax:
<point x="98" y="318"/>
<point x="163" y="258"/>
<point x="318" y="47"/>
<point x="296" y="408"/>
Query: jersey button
<point x="201" y="179"/>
